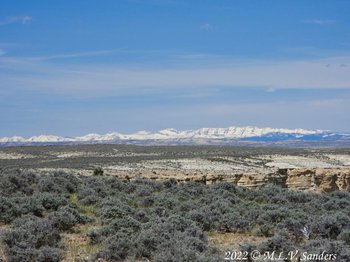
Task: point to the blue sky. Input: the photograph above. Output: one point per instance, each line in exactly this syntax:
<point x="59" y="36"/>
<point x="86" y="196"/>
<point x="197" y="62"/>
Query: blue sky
<point x="74" y="67"/>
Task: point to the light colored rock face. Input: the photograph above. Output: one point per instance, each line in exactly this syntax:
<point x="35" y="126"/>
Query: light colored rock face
<point x="317" y="180"/>
<point x="252" y="180"/>
<point x="320" y="180"/>
<point x="343" y="181"/>
<point x="325" y="181"/>
<point x="301" y="179"/>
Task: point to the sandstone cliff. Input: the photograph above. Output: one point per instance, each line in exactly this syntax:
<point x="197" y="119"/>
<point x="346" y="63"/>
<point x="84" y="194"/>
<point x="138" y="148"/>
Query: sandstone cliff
<point x="319" y="180"/>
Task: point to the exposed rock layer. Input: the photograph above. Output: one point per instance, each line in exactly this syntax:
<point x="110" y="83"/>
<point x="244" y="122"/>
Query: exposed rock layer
<point x="320" y="180"/>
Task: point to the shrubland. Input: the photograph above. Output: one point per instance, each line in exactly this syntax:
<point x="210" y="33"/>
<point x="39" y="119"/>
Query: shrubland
<point x="161" y="221"/>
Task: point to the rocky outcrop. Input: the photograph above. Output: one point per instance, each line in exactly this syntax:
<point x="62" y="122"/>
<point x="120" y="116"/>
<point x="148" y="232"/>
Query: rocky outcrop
<point x="300" y="179"/>
<point x="343" y="181"/>
<point x="253" y="180"/>
<point x="326" y="181"/>
<point x="319" y="180"/>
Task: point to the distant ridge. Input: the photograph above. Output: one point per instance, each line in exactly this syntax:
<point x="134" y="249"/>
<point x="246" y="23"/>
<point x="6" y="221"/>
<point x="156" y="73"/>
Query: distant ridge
<point x="171" y="136"/>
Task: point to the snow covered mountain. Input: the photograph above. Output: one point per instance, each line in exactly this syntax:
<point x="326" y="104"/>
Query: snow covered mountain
<point x="200" y="136"/>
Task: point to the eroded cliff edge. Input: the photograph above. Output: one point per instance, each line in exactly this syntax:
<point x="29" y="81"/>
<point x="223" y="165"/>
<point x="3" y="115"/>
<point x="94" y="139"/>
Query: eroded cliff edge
<point x="321" y="180"/>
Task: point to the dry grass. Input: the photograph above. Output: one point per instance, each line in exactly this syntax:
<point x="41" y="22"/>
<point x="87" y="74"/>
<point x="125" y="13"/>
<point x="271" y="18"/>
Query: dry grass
<point x="231" y="241"/>
<point x="77" y="245"/>
<point x="3" y="257"/>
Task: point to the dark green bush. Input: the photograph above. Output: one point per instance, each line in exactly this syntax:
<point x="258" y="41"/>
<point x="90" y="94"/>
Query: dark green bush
<point x="98" y="171"/>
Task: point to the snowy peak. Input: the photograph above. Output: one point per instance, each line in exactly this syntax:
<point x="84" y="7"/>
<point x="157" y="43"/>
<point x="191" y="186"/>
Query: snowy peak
<point x="14" y="139"/>
<point x="248" y="133"/>
<point x="99" y="138"/>
<point x="244" y="132"/>
<point x="46" y="139"/>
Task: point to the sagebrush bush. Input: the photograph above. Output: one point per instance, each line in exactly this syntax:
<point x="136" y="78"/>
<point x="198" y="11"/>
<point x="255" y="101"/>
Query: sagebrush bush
<point x="25" y="241"/>
<point x="345" y="236"/>
<point x="162" y="221"/>
<point x="51" y="201"/>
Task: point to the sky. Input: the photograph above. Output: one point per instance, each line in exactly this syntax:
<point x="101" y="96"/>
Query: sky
<point x="70" y="68"/>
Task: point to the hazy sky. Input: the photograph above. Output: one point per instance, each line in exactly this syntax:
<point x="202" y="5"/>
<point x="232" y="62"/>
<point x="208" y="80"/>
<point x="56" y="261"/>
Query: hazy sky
<point x="74" y="67"/>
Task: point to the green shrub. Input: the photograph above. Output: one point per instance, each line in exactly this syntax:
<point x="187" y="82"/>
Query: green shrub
<point x="98" y="171"/>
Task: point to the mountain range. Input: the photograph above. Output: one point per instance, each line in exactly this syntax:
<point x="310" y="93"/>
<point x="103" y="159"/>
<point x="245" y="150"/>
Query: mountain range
<point x="205" y="136"/>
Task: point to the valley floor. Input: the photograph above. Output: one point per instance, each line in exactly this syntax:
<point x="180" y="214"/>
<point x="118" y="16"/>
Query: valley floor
<point x="320" y="169"/>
